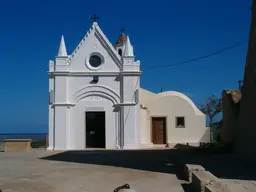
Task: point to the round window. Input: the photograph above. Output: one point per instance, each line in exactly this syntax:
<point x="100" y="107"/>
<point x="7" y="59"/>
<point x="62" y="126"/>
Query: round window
<point x="95" y="61"/>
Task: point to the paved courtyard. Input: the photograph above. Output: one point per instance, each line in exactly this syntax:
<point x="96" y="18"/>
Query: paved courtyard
<point x="88" y="171"/>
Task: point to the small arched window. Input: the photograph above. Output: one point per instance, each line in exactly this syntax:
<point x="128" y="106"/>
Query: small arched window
<point x="120" y="52"/>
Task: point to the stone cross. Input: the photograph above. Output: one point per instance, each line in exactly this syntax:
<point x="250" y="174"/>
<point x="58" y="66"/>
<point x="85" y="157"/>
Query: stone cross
<point x="95" y="18"/>
<point x="122" y="30"/>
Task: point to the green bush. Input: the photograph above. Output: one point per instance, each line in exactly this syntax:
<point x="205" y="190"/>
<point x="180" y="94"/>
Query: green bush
<point x="38" y="144"/>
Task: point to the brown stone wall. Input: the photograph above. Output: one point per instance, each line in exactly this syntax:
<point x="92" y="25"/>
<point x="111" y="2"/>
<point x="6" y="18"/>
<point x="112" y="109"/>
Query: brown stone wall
<point x="17" y="145"/>
<point x="245" y="141"/>
<point x="230" y="106"/>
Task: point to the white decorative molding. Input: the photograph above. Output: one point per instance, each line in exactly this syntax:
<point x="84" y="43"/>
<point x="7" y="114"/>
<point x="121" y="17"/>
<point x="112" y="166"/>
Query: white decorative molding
<point x="93" y="98"/>
<point x="62" y="49"/>
<point x="50" y="148"/>
<point x="62" y="57"/>
<point x="182" y="96"/>
<point x="59" y="149"/>
<point x="95" y="30"/>
<point x="89" y="66"/>
<point x="146" y="145"/>
<point x="131" y="146"/>
<point x="130" y="73"/>
<point x="64" y="104"/>
<point x="51" y="66"/>
<point x="96" y="88"/>
<point x="78" y="73"/>
<point x="125" y="104"/>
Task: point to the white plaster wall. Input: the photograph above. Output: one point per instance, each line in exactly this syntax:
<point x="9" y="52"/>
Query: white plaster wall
<point x="78" y="83"/>
<point x="172" y="106"/>
<point x="51" y="128"/>
<point x="145" y="133"/>
<point x="93" y="103"/>
<point x="60" y="128"/>
<point x="60" y="89"/>
<point x="90" y="45"/>
<point x="131" y="113"/>
<point x="51" y="115"/>
<point x="145" y="96"/>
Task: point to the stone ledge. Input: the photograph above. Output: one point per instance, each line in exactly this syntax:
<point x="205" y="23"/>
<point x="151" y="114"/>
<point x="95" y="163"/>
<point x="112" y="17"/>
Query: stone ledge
<point x="216" y="187"/>
<point x="189" y="168"/>
<point x="201" y="178"/>
<point x="17" y="145"/>
<point x="238" y="185"/>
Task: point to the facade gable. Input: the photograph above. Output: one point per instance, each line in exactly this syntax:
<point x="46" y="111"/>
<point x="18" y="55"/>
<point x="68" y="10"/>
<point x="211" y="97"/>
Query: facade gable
<point x="97" y="45"/>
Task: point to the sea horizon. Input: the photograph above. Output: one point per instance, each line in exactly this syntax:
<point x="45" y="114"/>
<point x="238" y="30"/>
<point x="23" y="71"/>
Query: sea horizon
<point x="28" y="133"/>
<point x="32" y="136"/>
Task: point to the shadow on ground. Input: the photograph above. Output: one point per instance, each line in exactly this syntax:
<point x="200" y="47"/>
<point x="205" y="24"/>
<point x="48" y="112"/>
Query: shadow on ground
<point x="221" y="164"/>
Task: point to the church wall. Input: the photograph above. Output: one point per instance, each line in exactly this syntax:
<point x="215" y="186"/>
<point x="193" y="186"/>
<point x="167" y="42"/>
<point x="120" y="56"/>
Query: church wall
<point x="131" y="113"/>
<point x="77" y="83"/>
<point x="51" y="112"/>
<point x="91" y="45"/>
<point x="75" y="93"/>
<point x="131" y="131"/>
<point x="93" y="103"/>
<point x="172" y="107"/>
<point x="51" y="128"/>
<point x="61" y="128"/>
<point x="60" y="89"/>
<point x="130" y="84"/>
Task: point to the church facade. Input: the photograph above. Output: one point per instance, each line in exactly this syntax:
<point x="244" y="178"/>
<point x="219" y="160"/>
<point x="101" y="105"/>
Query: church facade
<point x="96" y="101"/>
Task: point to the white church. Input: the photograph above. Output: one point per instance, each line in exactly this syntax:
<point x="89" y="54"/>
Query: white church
<point x="95" y="101"/>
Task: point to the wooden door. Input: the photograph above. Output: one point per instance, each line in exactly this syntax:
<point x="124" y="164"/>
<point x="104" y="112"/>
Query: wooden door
<point x="158" y="130"/>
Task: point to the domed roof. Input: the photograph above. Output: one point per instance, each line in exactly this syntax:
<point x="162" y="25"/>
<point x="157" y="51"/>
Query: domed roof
<point x="121" y="40"/>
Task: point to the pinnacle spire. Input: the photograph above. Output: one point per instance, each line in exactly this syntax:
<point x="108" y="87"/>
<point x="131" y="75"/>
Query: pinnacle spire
<point x="62" y="49"/>
<point x="128" y="51"/>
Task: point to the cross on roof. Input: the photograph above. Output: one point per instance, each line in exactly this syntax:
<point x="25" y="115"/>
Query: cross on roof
<point x="122" y="30"/>
<point x="95" y="18"/>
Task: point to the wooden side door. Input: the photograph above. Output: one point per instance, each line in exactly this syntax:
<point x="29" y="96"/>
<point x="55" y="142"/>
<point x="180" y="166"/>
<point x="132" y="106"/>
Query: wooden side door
<point x="158" y="130"/>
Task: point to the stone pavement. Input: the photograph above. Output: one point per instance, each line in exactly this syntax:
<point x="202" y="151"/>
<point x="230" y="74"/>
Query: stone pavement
<point x="87" y="172"/>
<point x="235" y="185"/>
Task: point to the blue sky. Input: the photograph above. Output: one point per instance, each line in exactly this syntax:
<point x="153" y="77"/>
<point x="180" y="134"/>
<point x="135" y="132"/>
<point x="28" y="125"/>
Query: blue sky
<point x="162" y="32"/>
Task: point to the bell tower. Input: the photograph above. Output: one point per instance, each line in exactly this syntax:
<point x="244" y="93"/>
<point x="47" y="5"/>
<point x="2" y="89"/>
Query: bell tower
<point x="120" y="43"/>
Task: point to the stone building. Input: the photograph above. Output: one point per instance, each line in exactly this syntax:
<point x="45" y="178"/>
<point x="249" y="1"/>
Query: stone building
<point x="246" y="130"/>
<point x="230" y="107"/>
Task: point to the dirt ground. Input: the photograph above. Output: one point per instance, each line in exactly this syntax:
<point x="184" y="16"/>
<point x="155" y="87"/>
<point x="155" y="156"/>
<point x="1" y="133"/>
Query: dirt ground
<point x="83" y="171"/>
<point x="150" y="170"/>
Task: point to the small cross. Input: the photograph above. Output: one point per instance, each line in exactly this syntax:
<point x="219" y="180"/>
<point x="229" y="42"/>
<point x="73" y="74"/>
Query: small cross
<point x="95" y="18"/>
<point x="122" y="30"/>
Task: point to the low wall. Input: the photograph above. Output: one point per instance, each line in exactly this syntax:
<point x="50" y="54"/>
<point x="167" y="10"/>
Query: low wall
<point x="17" y="145"/>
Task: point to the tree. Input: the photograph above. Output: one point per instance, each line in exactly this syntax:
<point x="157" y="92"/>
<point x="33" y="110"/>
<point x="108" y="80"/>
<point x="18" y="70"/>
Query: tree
<point x="211" y="107"/>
